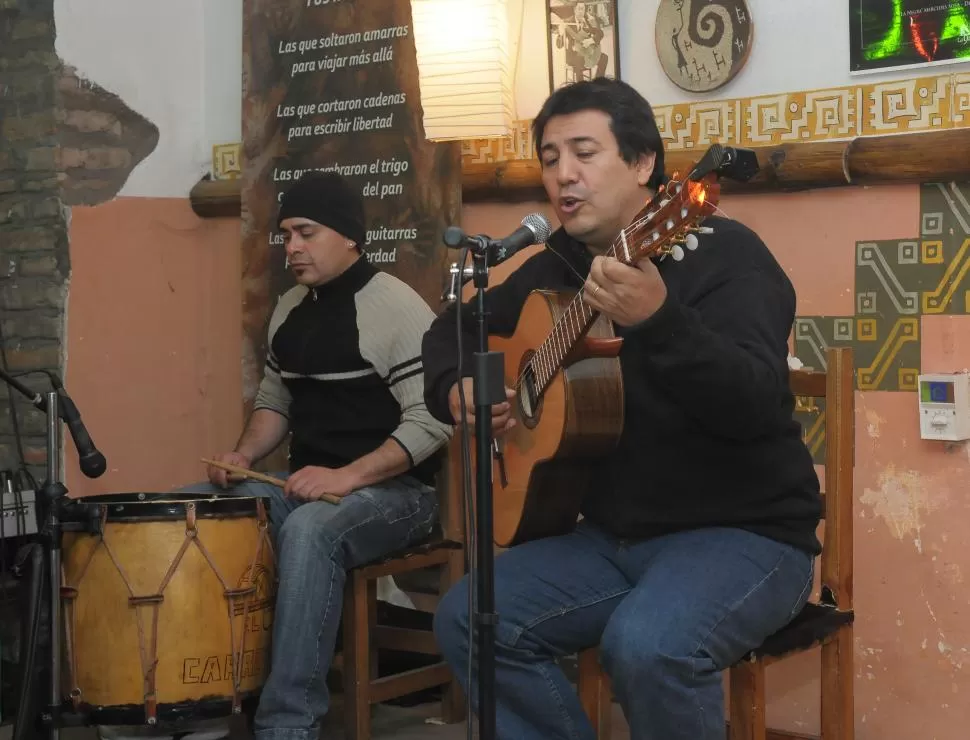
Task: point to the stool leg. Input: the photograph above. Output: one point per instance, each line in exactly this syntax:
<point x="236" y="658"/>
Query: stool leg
<point x="595" y="693"/>
<point x="374" y="663"/>
<point x="838" y="701"/>
<point x="357" y="660"/>
<point x="453" y="707"/>
<point x="748" y="701"/>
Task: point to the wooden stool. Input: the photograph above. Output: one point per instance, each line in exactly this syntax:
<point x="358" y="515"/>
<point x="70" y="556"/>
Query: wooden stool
<point x="825" y="623"/>
<point x="363" y="637"/>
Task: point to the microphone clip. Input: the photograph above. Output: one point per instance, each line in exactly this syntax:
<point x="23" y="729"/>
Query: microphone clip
<point x="456" y="238"/>
<point x="483" y="247"/>
<point x="486" y="251"/>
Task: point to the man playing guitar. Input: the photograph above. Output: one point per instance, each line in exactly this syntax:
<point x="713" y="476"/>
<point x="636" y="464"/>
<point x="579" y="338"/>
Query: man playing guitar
<point x="697" y="538"/>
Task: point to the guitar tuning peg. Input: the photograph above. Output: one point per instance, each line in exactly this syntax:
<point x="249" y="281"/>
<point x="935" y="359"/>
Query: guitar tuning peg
<point x="691" y="242"/>
<point x="705" y="230"/>
<point x="677" y="252"/>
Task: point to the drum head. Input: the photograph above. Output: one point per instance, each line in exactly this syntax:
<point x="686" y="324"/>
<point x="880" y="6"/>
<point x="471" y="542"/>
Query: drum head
<point x="140" y="506"/>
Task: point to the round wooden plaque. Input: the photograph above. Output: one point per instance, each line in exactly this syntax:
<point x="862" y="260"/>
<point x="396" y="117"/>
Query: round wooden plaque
<point x="703" y="44"/>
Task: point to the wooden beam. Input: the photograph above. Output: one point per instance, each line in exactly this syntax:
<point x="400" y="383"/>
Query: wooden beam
<point x="937" y="156"/>
<point x="514" y="180"/>
<point x="217" y="198"/>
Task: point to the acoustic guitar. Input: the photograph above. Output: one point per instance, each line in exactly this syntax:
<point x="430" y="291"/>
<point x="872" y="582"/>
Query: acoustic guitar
<point x="562" y="361"/>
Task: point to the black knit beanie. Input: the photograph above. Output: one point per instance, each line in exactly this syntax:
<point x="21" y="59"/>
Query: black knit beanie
<point x="328" y="199"/>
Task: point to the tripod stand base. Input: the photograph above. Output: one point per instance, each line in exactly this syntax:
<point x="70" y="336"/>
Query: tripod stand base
<point x="30" y="567"/>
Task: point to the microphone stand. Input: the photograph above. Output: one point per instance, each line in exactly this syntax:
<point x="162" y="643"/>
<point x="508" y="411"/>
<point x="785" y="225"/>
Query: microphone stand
<point x="488" y="373"/>
<point x="50" y="531"/>
<point x="489" y="389"/>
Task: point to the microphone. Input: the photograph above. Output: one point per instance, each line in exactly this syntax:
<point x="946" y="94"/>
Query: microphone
<point x="91" y="461"/>
<point x="535" y="229"/>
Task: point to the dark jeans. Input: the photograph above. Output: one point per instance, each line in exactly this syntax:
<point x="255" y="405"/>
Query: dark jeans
<point x="316" y="543"/>
<point x="669" y="614"/>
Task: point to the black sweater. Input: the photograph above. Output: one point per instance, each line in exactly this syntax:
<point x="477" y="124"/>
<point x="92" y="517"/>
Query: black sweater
<point x="344" y="367"/>
<point x="709" y="436"/>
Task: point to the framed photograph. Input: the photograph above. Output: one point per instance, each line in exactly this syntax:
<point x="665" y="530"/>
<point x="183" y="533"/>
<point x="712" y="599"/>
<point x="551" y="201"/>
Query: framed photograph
<point x="583" y="40"/>
<point x="907" y="34"/>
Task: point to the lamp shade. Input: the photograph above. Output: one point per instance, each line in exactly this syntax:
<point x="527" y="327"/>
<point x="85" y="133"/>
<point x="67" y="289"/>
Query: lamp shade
<point x="463" y="68"/>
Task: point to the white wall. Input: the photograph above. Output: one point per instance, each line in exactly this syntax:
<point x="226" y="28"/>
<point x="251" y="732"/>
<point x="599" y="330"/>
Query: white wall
<point x="223" y="21"/>
<point x="787" y="53"/>
<point x="179" y="63"/>
<point x="176" y="62"/>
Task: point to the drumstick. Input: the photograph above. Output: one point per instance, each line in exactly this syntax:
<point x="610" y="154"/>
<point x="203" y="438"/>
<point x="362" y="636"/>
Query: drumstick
<point x="243" y="472"/>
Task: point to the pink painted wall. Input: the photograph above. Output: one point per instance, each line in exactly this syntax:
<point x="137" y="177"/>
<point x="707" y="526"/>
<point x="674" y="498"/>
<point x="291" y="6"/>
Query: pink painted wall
<point x="154" y="341"/>
<point x="912" y="512"/>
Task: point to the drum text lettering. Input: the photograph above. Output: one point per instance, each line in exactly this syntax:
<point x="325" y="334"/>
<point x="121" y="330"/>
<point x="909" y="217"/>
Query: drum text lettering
<point x="261" y="621"/>
<point x="219" y="667"/>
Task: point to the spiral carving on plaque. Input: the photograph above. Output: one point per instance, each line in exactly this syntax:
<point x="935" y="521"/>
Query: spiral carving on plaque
<point x="703" y="44"/>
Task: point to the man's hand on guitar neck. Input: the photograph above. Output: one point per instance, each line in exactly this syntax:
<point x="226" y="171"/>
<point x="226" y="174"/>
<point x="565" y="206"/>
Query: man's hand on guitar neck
<point x="624" y="293"/>
<point x="502" y="419"/>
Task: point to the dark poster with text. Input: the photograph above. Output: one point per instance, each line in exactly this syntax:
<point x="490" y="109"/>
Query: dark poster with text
<point x="333" y="85"/>
<point x="902" y="34"/>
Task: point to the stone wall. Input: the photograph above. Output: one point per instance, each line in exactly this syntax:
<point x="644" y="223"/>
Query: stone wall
<point x="34" y="262"/>
<point x="64" y="141"/>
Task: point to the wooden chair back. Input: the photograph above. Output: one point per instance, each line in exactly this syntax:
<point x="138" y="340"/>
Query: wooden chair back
<point x="828" y="621"/>
<point x="835" y="385"/>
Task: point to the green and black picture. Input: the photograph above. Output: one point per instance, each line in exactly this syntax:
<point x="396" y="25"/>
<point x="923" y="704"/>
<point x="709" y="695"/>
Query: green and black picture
<point x="894" y="34"/>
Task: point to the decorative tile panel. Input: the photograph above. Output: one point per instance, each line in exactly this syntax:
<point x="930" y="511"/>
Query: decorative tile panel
<point x="926" y="103"/>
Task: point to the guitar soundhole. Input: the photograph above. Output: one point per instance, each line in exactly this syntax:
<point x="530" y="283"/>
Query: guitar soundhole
<point x="528" y="398"/>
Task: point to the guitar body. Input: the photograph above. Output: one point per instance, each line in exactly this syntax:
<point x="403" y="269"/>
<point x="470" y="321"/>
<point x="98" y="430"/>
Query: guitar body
<point x="569" y="403"/>
<point x="549" y="453"/>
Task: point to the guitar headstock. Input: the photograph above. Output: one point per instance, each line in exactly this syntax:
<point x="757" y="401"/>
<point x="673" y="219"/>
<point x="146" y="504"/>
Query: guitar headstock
<point x="670" y="221"/>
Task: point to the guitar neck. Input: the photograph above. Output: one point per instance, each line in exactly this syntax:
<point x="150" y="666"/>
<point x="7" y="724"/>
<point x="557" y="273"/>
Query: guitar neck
<point x="668" y="219"/>
<point x="552" y="354"/>
<point x="571" y="327"/>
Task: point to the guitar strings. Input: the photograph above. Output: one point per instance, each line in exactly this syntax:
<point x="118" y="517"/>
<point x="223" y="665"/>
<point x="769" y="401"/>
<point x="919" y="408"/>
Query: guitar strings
<point x="559" y="321"/>
<point x="611" y="252"/>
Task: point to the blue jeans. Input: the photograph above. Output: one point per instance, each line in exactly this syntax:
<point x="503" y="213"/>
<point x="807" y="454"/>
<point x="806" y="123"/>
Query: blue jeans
<point x="316" y="543"/>
<point x="669" y="614"/>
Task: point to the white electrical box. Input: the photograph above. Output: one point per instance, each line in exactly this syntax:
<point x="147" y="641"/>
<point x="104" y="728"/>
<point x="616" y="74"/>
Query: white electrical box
<point x="944" y="406"/>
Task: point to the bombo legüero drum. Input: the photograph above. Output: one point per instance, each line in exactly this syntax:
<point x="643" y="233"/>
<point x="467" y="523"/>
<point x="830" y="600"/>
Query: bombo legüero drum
<point x="167" y="607"/>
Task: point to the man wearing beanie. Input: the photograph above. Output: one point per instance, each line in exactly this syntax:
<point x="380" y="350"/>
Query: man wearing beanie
<point x="343" y="375"/>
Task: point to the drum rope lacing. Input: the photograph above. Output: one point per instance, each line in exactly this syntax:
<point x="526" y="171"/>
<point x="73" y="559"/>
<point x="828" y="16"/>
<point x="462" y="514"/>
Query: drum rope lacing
<point x="149" y="658"/>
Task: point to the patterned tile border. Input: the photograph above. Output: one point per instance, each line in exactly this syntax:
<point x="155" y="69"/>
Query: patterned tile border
<point x="931" y="103"/>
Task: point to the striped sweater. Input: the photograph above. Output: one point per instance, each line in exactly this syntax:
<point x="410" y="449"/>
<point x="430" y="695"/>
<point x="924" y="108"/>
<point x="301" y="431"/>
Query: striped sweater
<point x="344" y="366"/>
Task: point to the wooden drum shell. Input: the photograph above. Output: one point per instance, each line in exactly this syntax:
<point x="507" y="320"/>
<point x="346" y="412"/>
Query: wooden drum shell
<point x="162" y="606"/>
